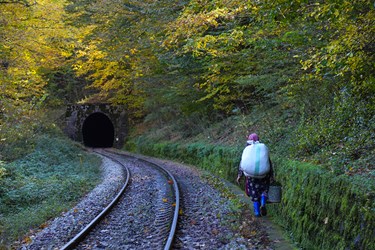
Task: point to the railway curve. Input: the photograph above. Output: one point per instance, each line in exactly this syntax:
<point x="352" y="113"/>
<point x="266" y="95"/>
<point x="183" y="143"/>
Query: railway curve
<point x="207" y="218"/>
<point x="145" y="217"/>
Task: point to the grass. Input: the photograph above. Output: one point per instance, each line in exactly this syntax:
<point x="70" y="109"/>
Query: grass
<point x="321" y="208"/>
<point x="42" y="184"/>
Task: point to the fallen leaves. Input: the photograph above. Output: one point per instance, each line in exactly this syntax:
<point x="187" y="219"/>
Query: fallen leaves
<point x="27" y="240"/>
<point x="215" y="231"/>
<point x="44" y="225"/>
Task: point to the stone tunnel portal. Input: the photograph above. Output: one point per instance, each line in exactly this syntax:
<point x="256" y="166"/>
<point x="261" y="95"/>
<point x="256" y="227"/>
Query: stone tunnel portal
<point x="98" y="131"/>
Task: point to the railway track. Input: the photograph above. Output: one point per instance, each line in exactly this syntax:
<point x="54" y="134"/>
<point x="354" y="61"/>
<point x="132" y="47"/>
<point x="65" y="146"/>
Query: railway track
<point x="141" y="218"/>
<point x="156" y="212"/>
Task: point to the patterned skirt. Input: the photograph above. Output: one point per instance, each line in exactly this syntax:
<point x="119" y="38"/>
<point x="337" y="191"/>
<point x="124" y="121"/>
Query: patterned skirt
<point x="254" y="187"/>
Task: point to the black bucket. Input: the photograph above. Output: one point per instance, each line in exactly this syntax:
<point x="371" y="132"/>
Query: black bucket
<point x="274" y="194"/>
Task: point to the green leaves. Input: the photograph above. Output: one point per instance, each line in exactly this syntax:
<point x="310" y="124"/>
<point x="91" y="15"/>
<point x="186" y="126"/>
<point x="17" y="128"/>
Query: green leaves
<point x="182" y="61"/>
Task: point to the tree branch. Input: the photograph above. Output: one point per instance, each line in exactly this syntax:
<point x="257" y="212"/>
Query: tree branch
<point x="22" y="2"/>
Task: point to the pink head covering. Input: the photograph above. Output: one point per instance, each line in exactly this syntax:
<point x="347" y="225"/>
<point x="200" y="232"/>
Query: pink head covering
<point x="253" y="137"/>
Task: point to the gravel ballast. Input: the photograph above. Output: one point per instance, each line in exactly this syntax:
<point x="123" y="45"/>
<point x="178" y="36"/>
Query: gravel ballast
<point x="208" y="218"/>
<point x="60" y="230"/>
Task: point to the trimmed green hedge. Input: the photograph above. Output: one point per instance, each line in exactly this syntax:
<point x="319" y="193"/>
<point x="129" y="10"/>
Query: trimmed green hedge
<point x="319" y="209"/>
<point x="325" y="211"/>
<point x="219" y="160"/>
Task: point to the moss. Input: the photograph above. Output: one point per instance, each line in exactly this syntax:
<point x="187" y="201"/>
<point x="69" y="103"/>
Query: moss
<point x="320" y="209"/>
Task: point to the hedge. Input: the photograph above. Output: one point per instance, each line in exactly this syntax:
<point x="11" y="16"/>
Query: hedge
<point x="323" y="210"/>
<point x="320" y="209"/>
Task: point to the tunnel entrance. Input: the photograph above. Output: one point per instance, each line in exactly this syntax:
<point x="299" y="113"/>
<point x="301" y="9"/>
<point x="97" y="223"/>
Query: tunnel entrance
<point x="98" y="131"/>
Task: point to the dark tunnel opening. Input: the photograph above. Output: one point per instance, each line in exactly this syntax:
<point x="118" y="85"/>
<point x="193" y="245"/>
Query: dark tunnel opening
<point x="98" y="131"/>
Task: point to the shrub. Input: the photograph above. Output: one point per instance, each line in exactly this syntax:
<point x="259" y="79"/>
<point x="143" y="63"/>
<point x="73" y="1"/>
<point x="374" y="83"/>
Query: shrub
<point x="45" y="182"/>
<point x="320" y="209"/>
<point x="323" y="210"/>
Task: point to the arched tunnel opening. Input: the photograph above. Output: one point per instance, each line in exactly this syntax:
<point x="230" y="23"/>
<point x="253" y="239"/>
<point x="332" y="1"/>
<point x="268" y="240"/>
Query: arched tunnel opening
<point x="98" y="131"/>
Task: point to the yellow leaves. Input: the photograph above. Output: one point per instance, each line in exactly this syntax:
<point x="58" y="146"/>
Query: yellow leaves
<point x="66" y="54"/>
<point x="215" y="46"/>
<point x="3" y="171"/>
<point x="211" y="17"/>
<point x="204" y="45"/>
<point x="31" y="72"/>
<point x="165" y="200"/>
<point x="255" y="8"/>
<point x="193" y="25"/>
<point x="43" y="225"/>
<point x="90" y="58"/>
<point x="306" y="64"/>
<point x="34" y="38"/>
<point x="133" y="51"/>
<point x="27" y="240"/>
<point x="336" y="13"/>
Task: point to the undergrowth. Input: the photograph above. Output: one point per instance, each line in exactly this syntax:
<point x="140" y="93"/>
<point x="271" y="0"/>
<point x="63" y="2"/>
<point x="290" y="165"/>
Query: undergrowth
<point x="42" y="184"/>
<point x="321" y="209"/>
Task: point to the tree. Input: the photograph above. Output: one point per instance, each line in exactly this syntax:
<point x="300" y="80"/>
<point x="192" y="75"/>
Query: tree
<point x="33" y="38"/>
<point x="121" y="54"/>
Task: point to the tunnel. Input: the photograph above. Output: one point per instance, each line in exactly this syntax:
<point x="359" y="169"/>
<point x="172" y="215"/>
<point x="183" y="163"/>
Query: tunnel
<point x="98" y="131"/>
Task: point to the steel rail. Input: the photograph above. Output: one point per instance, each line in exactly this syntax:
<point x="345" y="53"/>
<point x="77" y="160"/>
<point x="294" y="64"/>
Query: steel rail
<point x="177" y="195"/>
<point x="84" y="232"/>
<point x="177" y="207"/>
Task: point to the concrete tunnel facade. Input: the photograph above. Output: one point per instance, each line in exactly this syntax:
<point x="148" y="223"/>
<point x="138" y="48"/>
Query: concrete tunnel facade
<point x="97" y="125"/>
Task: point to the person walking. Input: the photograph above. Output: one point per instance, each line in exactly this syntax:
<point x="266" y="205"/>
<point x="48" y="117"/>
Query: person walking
<point x="257" y="167"/>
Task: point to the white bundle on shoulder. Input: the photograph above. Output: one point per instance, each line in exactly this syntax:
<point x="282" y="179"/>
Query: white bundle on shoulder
<point x="255" y="160"/>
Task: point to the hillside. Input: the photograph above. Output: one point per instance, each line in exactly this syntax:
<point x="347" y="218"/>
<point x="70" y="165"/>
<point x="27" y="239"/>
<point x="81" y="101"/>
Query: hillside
<point x="197" y="76"/>
<point x="299" y="73"/>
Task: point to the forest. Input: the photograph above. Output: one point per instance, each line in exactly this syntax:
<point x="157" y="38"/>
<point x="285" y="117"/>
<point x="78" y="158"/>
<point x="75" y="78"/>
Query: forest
<point x="199" y="73"/>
